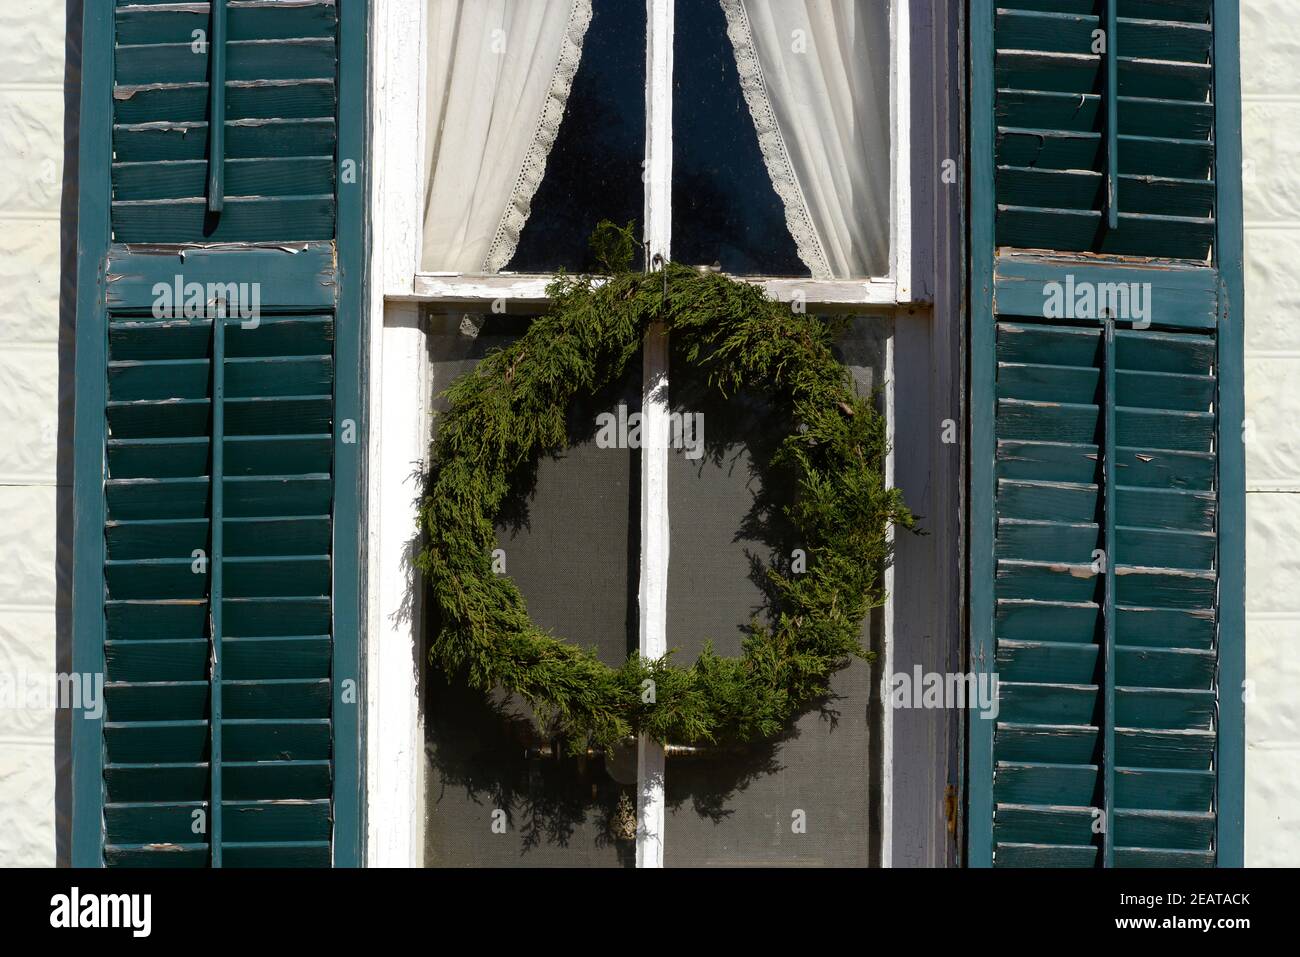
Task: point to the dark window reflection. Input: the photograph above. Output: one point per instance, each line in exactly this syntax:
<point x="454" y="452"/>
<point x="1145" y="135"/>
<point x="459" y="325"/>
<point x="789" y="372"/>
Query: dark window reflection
<point x="724" y="207"/>
<point x="594" y="169"/>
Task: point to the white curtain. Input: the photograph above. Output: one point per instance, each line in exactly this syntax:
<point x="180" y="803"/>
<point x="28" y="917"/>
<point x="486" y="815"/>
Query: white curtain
<point x="815" y="74"/>
<point x="499" y="78"/>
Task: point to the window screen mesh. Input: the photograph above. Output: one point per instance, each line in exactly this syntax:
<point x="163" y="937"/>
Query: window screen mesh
<point x="571" y="542"/>
<point x="810" y="797"/>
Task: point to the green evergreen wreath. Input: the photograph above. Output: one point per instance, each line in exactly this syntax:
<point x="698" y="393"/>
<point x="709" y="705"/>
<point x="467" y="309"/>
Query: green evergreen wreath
<point x="513" y="407"/>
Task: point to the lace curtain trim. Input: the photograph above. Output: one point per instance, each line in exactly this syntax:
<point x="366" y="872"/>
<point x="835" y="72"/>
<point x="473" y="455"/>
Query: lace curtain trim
<point x="533" y="167"/>
<point x="770" y="141"/>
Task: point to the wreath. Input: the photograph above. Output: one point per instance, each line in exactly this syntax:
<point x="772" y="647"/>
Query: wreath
<point x="512" y="408"/>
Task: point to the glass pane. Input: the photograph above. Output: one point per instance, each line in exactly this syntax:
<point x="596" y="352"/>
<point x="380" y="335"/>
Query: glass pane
<point x="571" y="542"/>
<point x="741" y="807"/>
<point x="594" y="171"/>
<point x="725" y="210"/>
<point x="535" y="130"/>
<point x="781" y="137"/>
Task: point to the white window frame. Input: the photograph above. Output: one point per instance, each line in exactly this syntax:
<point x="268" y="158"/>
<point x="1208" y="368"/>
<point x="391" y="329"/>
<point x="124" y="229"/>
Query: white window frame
<point x="401" y="387"/>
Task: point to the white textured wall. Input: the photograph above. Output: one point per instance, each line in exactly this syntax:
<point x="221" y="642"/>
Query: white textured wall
<point x="1270" y="60"/>
<point x="31" y="178"/>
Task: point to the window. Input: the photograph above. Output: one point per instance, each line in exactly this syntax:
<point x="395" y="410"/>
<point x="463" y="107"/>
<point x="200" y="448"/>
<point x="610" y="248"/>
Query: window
<point x="759" y="137"/>
<point x="754" y="135"/>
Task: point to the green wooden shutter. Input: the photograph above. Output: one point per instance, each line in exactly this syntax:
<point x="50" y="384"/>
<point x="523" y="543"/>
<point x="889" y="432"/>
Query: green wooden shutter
<point x="216" y="580"/>
<point x="1107" y="496"/>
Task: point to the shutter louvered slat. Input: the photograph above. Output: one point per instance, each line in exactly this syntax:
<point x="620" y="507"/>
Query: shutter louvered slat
<point x="142" y="147"/>
<point x="245" y="100"/>
<point x="1183" y="11"/>
<point x="138" y="25"/>
<point x="309" y="58"/>
<point x="1149" y="39"/>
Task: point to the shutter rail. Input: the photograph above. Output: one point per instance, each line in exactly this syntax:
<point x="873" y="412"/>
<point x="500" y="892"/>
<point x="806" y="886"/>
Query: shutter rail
<point x="217" y="109"/>
<point x="216" y="588"/>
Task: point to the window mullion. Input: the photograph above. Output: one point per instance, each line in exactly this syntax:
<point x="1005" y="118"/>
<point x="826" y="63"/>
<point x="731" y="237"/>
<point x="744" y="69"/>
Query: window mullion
<point x="659" y="128"/>
<point x="653" y="591"/>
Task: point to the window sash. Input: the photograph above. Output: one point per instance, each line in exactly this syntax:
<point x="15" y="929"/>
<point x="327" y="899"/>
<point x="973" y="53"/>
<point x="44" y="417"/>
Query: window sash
<point x="401" y="118"/>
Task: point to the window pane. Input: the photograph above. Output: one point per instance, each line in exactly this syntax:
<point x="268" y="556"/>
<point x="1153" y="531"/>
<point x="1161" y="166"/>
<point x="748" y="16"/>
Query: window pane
<point x="535" y="130"/>
<point x="781" y="142"/>
<point x="594" y="172"/>
<point x="571" y="543"/>
<point x="725" y="210"/>
<point x="740" y="807"/>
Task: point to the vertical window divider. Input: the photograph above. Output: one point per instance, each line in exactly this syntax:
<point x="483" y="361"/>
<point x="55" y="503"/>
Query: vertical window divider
<point x="215" y="590"/>
<point x="1109" y="474"/>
<point x="653" y="585"/>
<point x="900" y="147"/>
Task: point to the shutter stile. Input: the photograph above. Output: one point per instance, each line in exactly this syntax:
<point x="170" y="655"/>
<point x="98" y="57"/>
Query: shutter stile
<point x="220" y="582"/>
<point x="1102" y="509"/>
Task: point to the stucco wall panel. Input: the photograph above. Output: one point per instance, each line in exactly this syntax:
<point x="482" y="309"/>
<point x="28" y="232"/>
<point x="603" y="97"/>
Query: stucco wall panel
<point x="27" y="550"/>
<point x="1272" y="436"/>
<point x="1272" y="285"/>
<point x="29" y="405"/>
<point x="1273" y="662"/>
<point x="1270" y="47"/>
<point x="26" y="803"/>
<point x="31" y="42"/>
<point x="1272" y="826"/>
<point x="1272" y="169"/>
<point x="31" y="129"/>
<point x="26" y="658"/>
